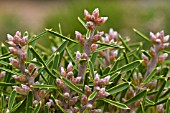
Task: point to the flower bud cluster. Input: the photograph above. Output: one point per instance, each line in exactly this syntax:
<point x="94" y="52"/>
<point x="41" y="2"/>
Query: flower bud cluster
<point x="110" y="54"/>
<point x="94" y="19"/>
<point x="24" y="89"/>
<point x="80" y="56"/>
<point x="2" y="74"/>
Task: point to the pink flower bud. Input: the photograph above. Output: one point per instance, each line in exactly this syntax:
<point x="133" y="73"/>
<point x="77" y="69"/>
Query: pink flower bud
<point x="95" y="13"/>
<point x="59" y="102"/>
<point x="106" y="79"/>
<point x="73" y="100"/>
<point x="78" y="56"/>
<point x="79" y="37"/>
<point x="84" y="56"/>
<point x="42" y="93"/>
<point x="11" y="43"/>
<point x="18" y="34"/>
<point x="76" y="110"/>
<point x="66" y="95"/>
<point x="19" y="78"/>
<point x="23" y="41"/>
<point x="96" y="111"/>
<point x="89" y="106"/>
<point x="70" y="67"/>
<point x="145" y="59"/>
<point x="69" y="75"/>
<point x="100" y="21"/>
<point x="87" y="15"/>
<point x="90" y="25"/>
<point x="35" y="102"/>
<point x="18" y="89"/>
<point x="166" y="38"/>
<point x="162" y="57"/>
<point x="54" y="48"/>
<point x="164" y="46"/>
<point x="94" y="47"/>
<point x="31" y="67"/>
<point x="14" y="62"/>
<point x="63" y="73"/>
<point x="24" y="56"/>
<point x="102" y="93"/>
<point x="152" y="51"/>
<point x="10" y="38"/>
<point x="84" y="99"/>
<point x="49" y="104"/>
<point x="17" y="39"/>
<point x="26" y="88"/>
<point x="60" y="83"/>
<point x="13" y="50"/>
<point x="160" y="108"/>
<point x="88" y="90"/>
<point x="97" y="37"/>
<point x="158" y="41"/>
<point x="153" y="37"/>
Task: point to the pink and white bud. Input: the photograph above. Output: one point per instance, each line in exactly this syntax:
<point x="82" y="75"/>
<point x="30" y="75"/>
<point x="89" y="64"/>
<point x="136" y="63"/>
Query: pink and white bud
<point x="145" y="59"/>
<point x="93" y="47"/>
<point x="70" y="67"/>
<point x="162" y="57"/>
<point x="26" y="88"/>
<point x="18" y="89"/>
<point x="54" y="48"/>
<point x="10" y="38"/>
<point x="11" y="43"/>
<point x="59" y="102"/>
<point x="31" y="67"/>
<point x="79" y="37"/>
<point x="24" y="56"/>
<point x="90" y="25"/>
<point x="158" y="41"/>
<point x="87" y="90"/>
<point x="84" y="56"/>
<point x="166" y="38"/>
<point x="42" y="93"/>
<point x="102" y="93"/>
<point x="95" y="13"/>
<point x="96" y="111"/>
<point x="89" y="106"/>
<point x="97" y="78"/>
<point x="76" y="110"/>
<point x="17" y="39"/>
<point x="153" y="37"/>
<point x="35" y="102"/>
<point x="18" y="34"/>
<point x="14" y="62"/>
<point x="100" y="21"/>
<point x="160" y="108"/>
<point x="152" y="51"/>
<point x="66" y="95"/>
<point x="13" y="50"/>
<point x="97" y="37"/>
<point x="164" y="46"/>
<point x="49" y="104"/>
<point x="63" y="73"/>
<point x="87" y="15"/>
<point x="60" y="83"/>
<point x="78" y="79"/>
<point x="19" y="78"/>
<point x="97" y="88"/>
<point x="78" y="56"/>
<point x="106" y="79"/>
<point x="73" y="100"/>
<point x="84" y="99"/>
<point x="69" y="75"/>
<point x="2" y="74"/>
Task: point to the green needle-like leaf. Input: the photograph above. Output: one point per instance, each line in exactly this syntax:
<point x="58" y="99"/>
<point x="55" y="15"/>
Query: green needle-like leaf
<point x="91" y="67"/>
<point x="29" y="103"/>
<point x="93" y="95"/>
<point x="141" y="35"/>
<point x="72" y="86"/>
<point x="37" y="108"/>
<point x="11" y="99"/>
<point x="115" y="103"/>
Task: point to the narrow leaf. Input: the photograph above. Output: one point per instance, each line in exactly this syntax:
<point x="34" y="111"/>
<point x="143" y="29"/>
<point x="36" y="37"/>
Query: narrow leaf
<point x="37" y="37"/>
<point x="8" y="84"/>
<point x="60" y="35"/>
<point x="135" y="98"/>
<point x="43" y="86"/>
<point x="29" y="103"/>
<point x="37" y="108"/>
<point x="62" y="47"/>
<point x="93" y="95"/>
<point x="161" y="89"/>
<point x="12" y="99"/>
<point x="82" y="22"/>
<point x="149" y="77"/>
<point x="72" y="86"/>
<point x="118" y="88"/>
<point x="57" y="106"/>
<point x="117" y="104"/>
<point x="9" y="71"/>
<point x="91" y="67"/>
<point x="167" y="106"/>
<point x="141" y="35"/>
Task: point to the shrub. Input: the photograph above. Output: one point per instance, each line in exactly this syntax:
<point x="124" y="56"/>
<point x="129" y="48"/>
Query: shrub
<point x="108" y="75"/>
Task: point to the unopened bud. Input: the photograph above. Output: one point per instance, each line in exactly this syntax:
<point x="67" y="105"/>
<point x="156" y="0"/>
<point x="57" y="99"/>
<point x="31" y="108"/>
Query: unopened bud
<point x="95" y="13"/>
<point x="60" y="83"/>
<point x="106" y="79"/>
<point x="100" y="21"/>
<point x="42" y="93"/>
<point x="87" y="15"/>
<point x="84" y="99"/>
<point x="90" y="25"/>
<point x="76" y="110"/>
<point x="145" y="59"/>
<point x="78" y="56"/>
<point x="63" y="73"/>
<point x="24" y="56"/>
<point x="69" y="75"/>
<point x="14" y="62"/>
<point x="88" y="90"/>
<point x="48" y="104"/>
<point x="160" y="108"/>
<point x="10" y="38"/>
<point x="73" y="100"/>
<point x="35" y="102"/>
<point x="96" y="111"/>
<point x="89" y="106"/>
<point x="162" y="57"/>
<point x="84" y="56"/>
<point x="70" y="67"/>
<point x="102" y="93"/>
<point x="18" y="89"/>
<point x="13" y="50"/>
<point x="26" y="88"/>
<point x="94" y="47"/>
<point x="152" y="51"/>
<point x="79" y="37"/>
<point x="31" y="67"/>
<point x="66" y="95"/>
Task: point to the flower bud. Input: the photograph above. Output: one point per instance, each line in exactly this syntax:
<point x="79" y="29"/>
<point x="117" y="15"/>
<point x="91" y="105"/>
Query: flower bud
<point x="66" y="95"/>
<point x="76" y="110"/>
<point x="89" y="106"/>
<point x="96" y="111"/>
<point x="11" y="43"/>
<point x="145" y="59"/>
<point x="88" y="90"/>
<point x="90" y="25"/>
<point x="78" y="56"/>
<point x="166" y="38"/>
<point x="70" y="67"/>
<point x="84" y="99"/>
<point x="100" y="21"/>
<point x="87" y="15"/>
<point x="164" y="46"/>
<point x="73" y="100"/>
<point x="60" y="83"/>
<point x="35" y="102"/>
<point x="10" y="38"/>
<point x="95" y="13"/>
<point x="160" y="108"/>
<point x="59" y="102"/>
<point x="102" y="93"/>
<point x="63" y="73"/>
<point x="97" y="37"/>
<point x="69" y="75"/>
<point x="17" y="39"/>
<point x="48" y="104"/>
<point x="152" y="51"/>
<point x="113" y="35"/>
<point x="79" y="37"/>
<point x="42" y="93"/>
<point x="13" y="50"/>
<point x="106" y="79"/>
<point x="18" y="89"/>
<point x="162" y="57"/>
<point x="14" y="62"/>
<point x="26" y="88"/>
<point x="84" y="56"/>
<point x="93" y="47"/>
<point x="19" y="78"/>
<point x="153" y="37"/>
<point x="24" y="56"/>
<point x="31" y="67"/>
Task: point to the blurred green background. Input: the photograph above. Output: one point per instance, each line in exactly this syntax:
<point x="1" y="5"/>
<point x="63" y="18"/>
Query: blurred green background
<point x="35" y="15"/>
